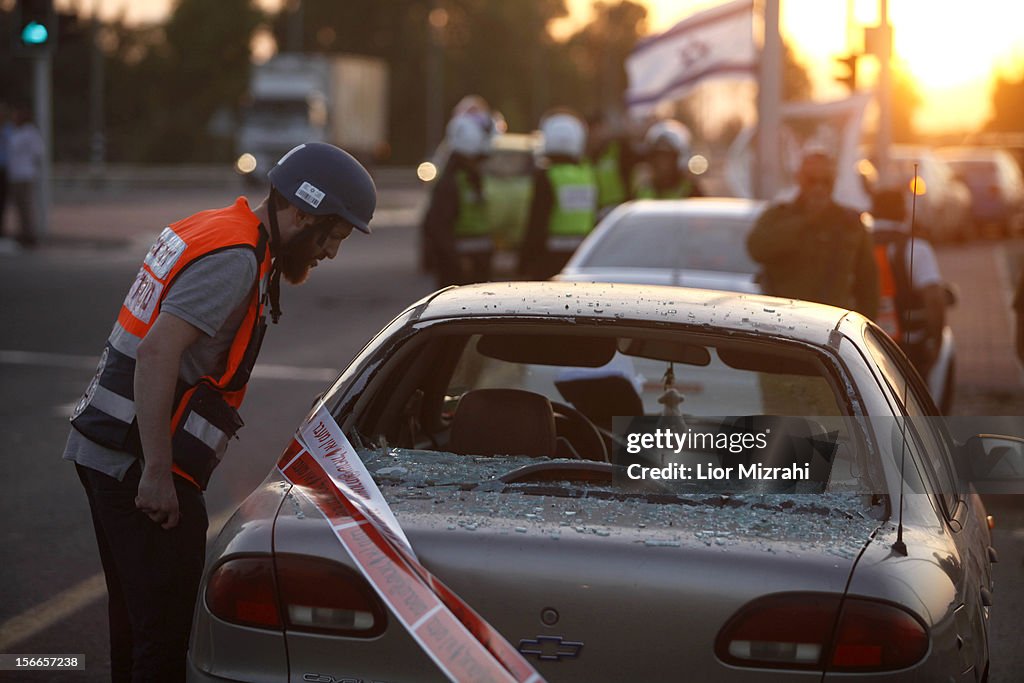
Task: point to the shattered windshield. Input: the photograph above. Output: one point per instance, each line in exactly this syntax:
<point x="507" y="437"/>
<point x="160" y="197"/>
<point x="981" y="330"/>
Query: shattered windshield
<point x="428" y="483"/>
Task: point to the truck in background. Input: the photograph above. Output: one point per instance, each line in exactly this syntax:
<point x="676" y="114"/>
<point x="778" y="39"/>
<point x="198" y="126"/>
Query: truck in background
<point x="296" y="97"/>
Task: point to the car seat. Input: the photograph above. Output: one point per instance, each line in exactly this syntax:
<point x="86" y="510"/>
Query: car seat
<point x="503" y="422"/>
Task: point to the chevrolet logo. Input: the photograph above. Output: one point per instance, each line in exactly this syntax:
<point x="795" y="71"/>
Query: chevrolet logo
<point x="550" y="648"/>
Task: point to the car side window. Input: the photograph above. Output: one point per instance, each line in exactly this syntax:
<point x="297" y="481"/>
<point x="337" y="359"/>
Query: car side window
<point x="922" y="412"/>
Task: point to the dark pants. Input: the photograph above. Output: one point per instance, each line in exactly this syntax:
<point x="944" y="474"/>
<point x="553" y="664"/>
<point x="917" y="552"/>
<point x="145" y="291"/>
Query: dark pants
<point x="152" y="575"/>
<point x="24" y="197"/>
<point x="461" y="261"/>
<point x="545" y="264"/>
<point x="464" y="269"/>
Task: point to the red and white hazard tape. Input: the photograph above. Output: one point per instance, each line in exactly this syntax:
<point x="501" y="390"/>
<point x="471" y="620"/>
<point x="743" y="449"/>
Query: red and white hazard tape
<point x="324" y="467"/>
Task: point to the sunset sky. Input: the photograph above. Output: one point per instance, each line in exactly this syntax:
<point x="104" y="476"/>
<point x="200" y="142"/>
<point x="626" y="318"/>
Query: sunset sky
<point x="950" y="47"/>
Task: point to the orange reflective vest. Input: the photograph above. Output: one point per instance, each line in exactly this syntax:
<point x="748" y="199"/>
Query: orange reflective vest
<point x="205" y="414"/>
<point x="901" y="311"/>
<point x="888" y="317"/>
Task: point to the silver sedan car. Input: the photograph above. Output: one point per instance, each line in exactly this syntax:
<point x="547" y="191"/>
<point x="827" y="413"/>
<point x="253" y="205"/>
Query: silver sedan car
<point x="591" y="469"/>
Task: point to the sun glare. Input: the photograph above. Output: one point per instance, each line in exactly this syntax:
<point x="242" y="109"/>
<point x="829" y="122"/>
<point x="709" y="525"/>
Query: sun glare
<point x="949" y="44"/>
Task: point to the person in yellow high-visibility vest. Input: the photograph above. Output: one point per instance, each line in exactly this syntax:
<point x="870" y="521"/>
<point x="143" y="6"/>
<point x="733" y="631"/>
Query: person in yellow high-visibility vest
<point x="666" y="174"/>
<point x="564" y="204"/>
<point x="456" y="224"/>
<point x="613" y="156"/>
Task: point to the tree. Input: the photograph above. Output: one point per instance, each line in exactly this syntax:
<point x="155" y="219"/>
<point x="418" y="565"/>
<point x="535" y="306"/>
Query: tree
<point x="494" y="48"/>
<point x="203" y="68"/>
<point x="132" y="67"/>
<point x="1007" y="106"/>
<point x="502" y="51"/>
<point x="597" y="55"/>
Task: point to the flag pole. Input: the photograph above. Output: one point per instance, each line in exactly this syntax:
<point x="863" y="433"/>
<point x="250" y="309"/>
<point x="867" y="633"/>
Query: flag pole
<point x="769" y="98"/>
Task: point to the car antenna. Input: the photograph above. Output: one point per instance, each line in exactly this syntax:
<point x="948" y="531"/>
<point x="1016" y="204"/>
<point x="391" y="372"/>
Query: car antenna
<point x="899" y="546"/>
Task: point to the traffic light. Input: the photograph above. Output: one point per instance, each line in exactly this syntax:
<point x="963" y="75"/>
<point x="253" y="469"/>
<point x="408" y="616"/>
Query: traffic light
<point x="849" y="78"/>
<point x="36" y="24"/>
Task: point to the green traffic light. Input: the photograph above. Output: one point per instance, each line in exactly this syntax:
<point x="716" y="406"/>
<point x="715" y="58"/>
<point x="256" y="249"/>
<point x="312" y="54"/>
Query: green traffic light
<point x="34" y="34"/>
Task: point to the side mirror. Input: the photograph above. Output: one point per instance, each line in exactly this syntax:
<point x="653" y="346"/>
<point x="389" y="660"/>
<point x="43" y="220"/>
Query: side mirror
<point x="995" y="464"/>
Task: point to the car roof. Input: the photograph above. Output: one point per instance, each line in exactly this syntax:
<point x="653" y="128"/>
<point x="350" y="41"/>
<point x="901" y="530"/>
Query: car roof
<point x="697" y="206"/>
<point x="699" y="308"/>
<point x="910" y="151"/>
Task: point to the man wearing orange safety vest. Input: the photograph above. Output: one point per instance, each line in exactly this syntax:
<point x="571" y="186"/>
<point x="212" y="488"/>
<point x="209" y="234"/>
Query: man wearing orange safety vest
<point x="184" y="345"/>
<point x="912" y="305"/>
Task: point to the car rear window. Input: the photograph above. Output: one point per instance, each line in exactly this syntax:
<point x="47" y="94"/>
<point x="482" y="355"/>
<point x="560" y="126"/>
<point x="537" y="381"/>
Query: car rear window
<point x="976" y="172"/>
<point x="711" y="243"/>
<point x="461" y="396"/>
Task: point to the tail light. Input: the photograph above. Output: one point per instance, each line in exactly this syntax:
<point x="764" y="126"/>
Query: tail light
<point x="326" y="597"/>
<point x="822" y="632"/>
<point x="242" y="591"/>
<point x="297" y="593"/>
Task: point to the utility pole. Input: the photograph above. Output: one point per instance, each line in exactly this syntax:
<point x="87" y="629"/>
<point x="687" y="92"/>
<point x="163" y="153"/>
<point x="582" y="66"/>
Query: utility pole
<point x="42" y="106"/>
<point x="437" y="20"/>
<point x="881" y="45"/>
<point x="769" y="102"/>
<point x="296" y="26"/>
<point x="36" y="26"/>
<point x="97" y="135"/>
<point x="539" y="75"/>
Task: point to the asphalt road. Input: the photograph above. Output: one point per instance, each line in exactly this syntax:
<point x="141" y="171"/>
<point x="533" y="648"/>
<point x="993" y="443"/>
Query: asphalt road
<point x="58" y="304"/>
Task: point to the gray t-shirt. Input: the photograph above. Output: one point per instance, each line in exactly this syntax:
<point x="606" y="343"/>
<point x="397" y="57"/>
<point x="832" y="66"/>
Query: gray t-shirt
<point x="213" y="295"/>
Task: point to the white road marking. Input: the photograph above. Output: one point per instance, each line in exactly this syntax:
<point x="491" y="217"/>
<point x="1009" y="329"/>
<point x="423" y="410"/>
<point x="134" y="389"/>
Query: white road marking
<point x="83" y="362"/>
<point x="65" y="409"/>
<point x="62" y="605"/>
<point x="56" y="609"/>
<point x="54" y="360"/>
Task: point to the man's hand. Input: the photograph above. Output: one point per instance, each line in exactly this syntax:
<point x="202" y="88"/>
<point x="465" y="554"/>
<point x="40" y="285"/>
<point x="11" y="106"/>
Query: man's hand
<point x="156" y="375"/>
<point x="157" y="498"/>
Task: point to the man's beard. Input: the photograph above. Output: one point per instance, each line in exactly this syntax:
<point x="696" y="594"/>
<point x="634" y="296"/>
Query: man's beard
<point x="296" y="258"/>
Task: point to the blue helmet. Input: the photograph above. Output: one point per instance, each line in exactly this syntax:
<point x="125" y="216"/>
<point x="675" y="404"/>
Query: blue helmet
<point x="323" y="180"/>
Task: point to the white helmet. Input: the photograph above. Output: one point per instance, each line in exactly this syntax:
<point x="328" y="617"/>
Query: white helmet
<point x="564" y="134"/>
<point x="466" y="136"/>
<point x="670" y="134"/>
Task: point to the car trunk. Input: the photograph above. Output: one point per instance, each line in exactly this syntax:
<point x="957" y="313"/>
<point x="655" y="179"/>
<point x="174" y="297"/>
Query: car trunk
<point x="593" y="589"/>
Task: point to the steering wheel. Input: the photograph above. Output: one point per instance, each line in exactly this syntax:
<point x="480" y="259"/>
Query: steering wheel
<point x="582" y="433"/>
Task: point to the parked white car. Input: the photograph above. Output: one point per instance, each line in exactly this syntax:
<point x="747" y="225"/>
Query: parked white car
<point x="943" y="211"/>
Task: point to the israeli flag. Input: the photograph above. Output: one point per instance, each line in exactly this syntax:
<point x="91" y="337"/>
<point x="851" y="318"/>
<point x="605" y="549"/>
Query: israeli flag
<point x="715" y="43"/>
